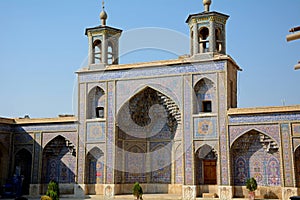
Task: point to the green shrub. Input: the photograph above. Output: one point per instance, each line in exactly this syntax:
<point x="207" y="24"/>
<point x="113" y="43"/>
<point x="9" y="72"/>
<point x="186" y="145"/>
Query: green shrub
<point x="45" y="197"/>
<point x="137" y="191"/>
<point x="251" y="184"/>
<point x="53" y="190"/>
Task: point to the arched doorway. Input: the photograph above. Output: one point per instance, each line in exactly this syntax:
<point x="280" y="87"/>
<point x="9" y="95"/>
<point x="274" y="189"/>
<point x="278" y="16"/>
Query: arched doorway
<point x="59" y="161"/>
<point x="147" y="124"/>
<point x="255" y="154"/>
<point x="297" y="167"/>
<point x="206" y="169"/>
<point x="23" y="163"/>
<point x="94" y="166"/>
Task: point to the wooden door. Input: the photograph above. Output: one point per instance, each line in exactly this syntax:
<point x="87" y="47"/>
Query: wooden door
<point x="210" y="172"/>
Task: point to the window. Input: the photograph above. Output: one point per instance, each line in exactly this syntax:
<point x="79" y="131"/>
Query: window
<point x="97" y="51"/>
<point x="96" y="103"/>
<point x="100" y="112"/>
<point x="206" y="106"/>
<point x="110" y="53"/>
<point x="204" y="96"/>
<point x="219" y="40"/>
<point x="203" y="40"/>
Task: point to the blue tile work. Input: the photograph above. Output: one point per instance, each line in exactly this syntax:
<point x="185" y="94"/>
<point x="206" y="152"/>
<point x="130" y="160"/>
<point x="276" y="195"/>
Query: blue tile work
<point x="110" y="133"/>
<point x="6" y="128"/>
<point x="264" y="118"/>
<point x="95" y="131"/>
<point x="45" y="128"/>
<point x="153" y="71"/>
<point x="272" y="130"/>
<point x="23" y="138"/>
<point x="49" y="136"/>
<point x="178" y="164"/>
<point x="160" y="162"/>
<point x="81" y="133"/>
<point x="169" y="86"/>
<point x="211" y="76"/>
<point x="205" y="128"/>
<point x="287" y="157"/>
<point x="296" y="144"/>
<point x="252" y="160"/>
<point x="94" y="166"/>
<point x="296" y="129"/>
<point x="135" y="172"/>
<point x="223" y="133"/>
<point x="188" y="147"/>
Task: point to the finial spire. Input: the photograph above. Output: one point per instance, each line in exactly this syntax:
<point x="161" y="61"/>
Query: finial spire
<point x="206" y="4"/>
<point x="103" y="15"/>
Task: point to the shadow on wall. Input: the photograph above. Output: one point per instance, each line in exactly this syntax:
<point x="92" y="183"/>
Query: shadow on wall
<point x="35" y="165"/>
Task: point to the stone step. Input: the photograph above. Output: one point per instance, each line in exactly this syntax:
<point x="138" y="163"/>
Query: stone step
<point x="151" y="197"/>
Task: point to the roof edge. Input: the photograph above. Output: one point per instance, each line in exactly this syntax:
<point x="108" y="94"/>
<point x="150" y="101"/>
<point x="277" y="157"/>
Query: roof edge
<point x="263" y="110"/>
<point x="45" y="120"/>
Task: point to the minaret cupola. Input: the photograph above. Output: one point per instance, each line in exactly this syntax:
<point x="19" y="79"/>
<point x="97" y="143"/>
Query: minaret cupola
<point x="207" y="32"/>
<point x="103" y="44"/>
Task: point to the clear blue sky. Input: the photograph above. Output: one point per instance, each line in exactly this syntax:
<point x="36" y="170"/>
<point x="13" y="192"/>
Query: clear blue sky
<point x="42" y="44"/>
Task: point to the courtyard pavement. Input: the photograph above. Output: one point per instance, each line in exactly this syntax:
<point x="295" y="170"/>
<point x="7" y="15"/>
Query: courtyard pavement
<point x="127" y="197"/>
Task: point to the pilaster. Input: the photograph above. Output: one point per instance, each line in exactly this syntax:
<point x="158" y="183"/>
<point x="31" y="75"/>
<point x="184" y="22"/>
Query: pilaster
<point x="212" y="37"/>
<point x="110" y="138"/>
<point x="195" y="40"/>
<point x="288" y="192"/>
<point x="225" y="192"/>
<point x="189" y="192"/>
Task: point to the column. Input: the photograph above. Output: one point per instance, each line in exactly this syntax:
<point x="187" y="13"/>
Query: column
<point x="91" y="49"/>
<point x="195" y="39"/>
<point x="212" y="35"/>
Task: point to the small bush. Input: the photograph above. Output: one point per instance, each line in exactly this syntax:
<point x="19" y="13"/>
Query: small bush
<point x="45" y="197"/>
<point x="137" y="191"/>
<point x="53" y="190"/>
<point x="251" y="184"/>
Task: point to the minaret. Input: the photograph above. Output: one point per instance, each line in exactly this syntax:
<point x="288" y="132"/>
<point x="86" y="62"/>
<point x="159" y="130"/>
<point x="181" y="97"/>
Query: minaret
<point x="103" y="44"/>
<point x="207" y="32"/>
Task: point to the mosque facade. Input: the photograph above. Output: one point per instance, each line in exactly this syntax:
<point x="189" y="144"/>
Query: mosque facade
<point x="173" y="126"/>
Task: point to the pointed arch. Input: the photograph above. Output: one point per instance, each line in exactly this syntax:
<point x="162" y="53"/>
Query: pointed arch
<point x="149" y="111"/>
<point x="147" y="124"/>
<point x="256" y="131"/>
<point x="206" y="165"/>
<point x="23" y="165"/>
<point x="254" y="154"/>
<point x="96" y="103"/>
<point x="297" y="165"/>
<point x="94" y="166"/>
<point x="205" y="93"/>
<point x="59" y="161"/>
<point x="167" y="92"/>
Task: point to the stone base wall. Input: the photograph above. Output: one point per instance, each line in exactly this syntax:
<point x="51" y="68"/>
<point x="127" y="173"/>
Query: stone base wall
<point x="200" y="189"/>
<point x="288" y="192"/>
<point x="189" y="192"/>
<point x="225" y="192"/>
<point x="35" y="190"/>
<point x="94" y="189"/>
<point x="150" y="188"/>
<point x="262" y="192"/>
